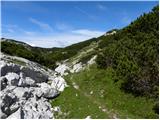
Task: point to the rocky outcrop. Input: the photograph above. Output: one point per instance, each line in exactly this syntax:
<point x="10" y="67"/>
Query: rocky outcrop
<point x="25" y="91"/>
<point x="76" y="68"/>
<point x="5" y="68"/>
<point x="61" y="69"/>
<point x="59" y="83"/>
<point x="92" y="60"/>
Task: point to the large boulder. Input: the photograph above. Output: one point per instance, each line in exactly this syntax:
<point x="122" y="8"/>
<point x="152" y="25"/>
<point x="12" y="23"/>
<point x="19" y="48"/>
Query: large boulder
<point x="40" y="109"/>
<point x="8" y="99"/>
<point x="12" y="78"/>
<point x="23" y="93"/>
<point x="59" y="83"/>
<point x="48" y="91"/>
<point x="26" y="81"/>
<point x="24" y="90"/>
<point x="8" y="67"/>
<point x="76" y="68"/>
<point x="34" y="74"/>
<point x="61" y="69"/>
<point x="92" y="60"/>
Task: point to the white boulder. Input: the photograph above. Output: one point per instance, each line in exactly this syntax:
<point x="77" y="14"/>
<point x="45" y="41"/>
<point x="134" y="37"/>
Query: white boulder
<point x="26" y="81"/>
<point x="76" y="68"/>
<point x="12" y="78"/>
<point x="40" y="109"/>
<point x="61" y="69"/>
<point x="92" y="60"/>
<point x="59" y="83"/>
<point x="88" y="117"/>
<point x="48" y="91"/>
<point x="23" y="93"/>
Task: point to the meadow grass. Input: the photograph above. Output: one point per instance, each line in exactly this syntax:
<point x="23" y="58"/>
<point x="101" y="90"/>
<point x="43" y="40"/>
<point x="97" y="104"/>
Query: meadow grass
<point x="99" y="96"/>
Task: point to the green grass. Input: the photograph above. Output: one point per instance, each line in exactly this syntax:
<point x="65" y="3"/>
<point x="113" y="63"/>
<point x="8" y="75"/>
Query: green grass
<point x="19" y="62"/>
<point x="106" y="94"/>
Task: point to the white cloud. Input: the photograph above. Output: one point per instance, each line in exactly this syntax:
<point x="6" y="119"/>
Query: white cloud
<point x="29" y="33"/>
<point x="63" y="26"/>
<point x="101" y="7"/>
<point x="86" y="32"/>
<point x="42" y="25"/>
<point x="52" y="39"/>
<point x="10" y="30"/>
<point x="58" y="39"/>
<point x="16" y="29"/>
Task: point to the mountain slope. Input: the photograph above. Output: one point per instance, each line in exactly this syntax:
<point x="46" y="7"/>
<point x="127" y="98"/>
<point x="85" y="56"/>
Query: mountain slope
<point x="133" y="53"/>
<point x="123" y="83"/>
<point x="127" y="63"/>
<point x="45" y="56"/>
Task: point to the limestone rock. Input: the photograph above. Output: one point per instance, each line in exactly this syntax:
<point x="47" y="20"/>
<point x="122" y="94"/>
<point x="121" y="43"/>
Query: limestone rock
<point x="16" y="115"/>
<point x="26" y="81"/>
<point x="61" y="69"/>
<point x="3" y="82"/>
<point x="76" y="68"/>
<point x="40" y="109"/>
<point x="35" y="75"/>
<point x="48" y="91"/>
<point x="92" y="60"/>
<point x="24" y="90"/>
<point x="21" y="92"/>
<point x="12" y="78"/>
<point x="88" y="117"/>
<point x="59" y="83"/>
<point x="5" y="68"/>
<point x="7" y="100"/>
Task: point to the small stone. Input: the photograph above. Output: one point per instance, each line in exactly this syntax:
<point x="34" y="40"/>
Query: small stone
<point x="3" y="82"/>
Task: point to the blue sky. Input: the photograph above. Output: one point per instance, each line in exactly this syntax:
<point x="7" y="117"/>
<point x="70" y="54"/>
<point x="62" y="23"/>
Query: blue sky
<point x="58" y="24"/>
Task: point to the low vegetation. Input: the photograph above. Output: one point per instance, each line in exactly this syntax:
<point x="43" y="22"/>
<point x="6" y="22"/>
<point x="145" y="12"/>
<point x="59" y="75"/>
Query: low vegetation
<point x="47" y="57"/>
<point x="97" y="95"/>
<point x="133" y="53"/>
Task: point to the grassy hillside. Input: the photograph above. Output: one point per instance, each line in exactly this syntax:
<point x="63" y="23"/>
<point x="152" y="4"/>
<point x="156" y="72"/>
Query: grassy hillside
<point x="125" y="83"/>
<point x="94" y="93"/>
<point x="44" y="56"/>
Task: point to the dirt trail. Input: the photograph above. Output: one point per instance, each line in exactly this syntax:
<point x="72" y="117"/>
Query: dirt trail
<point x="101" y="106"/>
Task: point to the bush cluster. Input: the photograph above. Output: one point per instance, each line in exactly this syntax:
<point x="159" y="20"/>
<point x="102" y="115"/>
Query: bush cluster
<point x="133" y="53"/>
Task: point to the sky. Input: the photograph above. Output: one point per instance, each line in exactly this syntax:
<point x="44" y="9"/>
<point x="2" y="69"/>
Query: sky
<point x="58" y="24"/>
